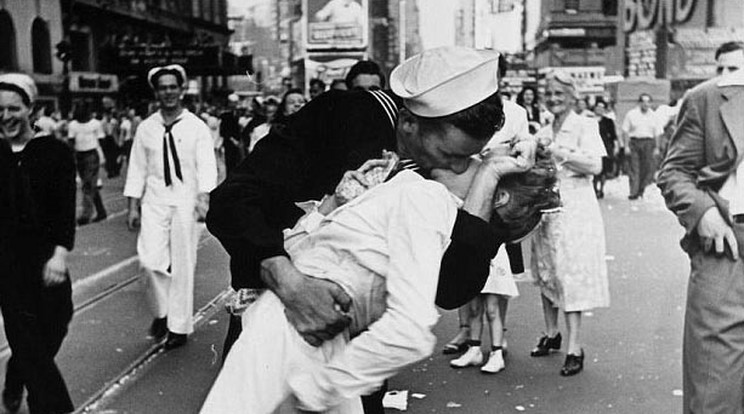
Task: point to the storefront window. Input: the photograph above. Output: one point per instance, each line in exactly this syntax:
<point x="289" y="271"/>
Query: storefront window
<point x="41" y="46"/>
<point x="8" y="60"/>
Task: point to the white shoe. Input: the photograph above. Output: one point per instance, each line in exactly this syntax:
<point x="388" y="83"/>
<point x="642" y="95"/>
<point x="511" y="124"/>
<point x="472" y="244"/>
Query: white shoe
<point x="473" y="356"/>
<point x="495" y="362"/>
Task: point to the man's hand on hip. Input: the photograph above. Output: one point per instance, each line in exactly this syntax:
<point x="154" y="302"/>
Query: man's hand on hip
<point x="317" y="308"/>
<point x="714" y="232"/>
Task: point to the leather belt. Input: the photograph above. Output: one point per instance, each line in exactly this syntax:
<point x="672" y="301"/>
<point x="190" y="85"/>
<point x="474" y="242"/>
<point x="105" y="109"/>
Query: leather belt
<point x="738" y="218"/>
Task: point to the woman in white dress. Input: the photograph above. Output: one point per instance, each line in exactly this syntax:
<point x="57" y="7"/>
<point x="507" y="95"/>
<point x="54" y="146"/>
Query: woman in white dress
<point x="384" y="249"/>
<point x="568" y="250"/>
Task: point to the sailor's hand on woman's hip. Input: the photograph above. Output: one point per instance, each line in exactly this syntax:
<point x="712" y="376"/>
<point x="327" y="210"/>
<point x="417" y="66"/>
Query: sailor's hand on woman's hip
<point x="317" y="308"/>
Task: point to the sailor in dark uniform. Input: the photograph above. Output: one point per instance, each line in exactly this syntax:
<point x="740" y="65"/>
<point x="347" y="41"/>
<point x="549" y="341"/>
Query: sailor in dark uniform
<point x="444" y="95"/>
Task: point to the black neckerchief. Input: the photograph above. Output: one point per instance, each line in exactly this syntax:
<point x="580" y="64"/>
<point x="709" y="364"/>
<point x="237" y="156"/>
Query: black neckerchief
<point x="168" y="138"/>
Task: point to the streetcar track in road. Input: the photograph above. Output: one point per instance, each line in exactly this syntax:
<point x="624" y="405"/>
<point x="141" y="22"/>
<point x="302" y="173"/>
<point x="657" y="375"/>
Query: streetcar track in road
<point x="116" y="385"/>
<point x="117" y="286"/>
<point x="107" y="292"/>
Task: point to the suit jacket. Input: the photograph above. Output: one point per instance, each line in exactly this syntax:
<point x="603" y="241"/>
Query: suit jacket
<point x="706" y="147"/>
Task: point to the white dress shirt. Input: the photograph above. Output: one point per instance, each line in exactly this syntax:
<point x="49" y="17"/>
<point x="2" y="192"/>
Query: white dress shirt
<point x="145" y="176"/>
<point x="733" y="189"/>
<point x="384" y="248"/>
<point x="641" y="125"/>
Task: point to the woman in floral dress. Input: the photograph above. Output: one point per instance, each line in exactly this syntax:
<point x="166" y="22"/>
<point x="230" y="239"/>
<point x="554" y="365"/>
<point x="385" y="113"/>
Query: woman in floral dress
<point x="568" y="257"/>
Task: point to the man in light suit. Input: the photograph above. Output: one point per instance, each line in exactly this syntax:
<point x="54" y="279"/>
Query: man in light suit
<point x="702" y="179"/>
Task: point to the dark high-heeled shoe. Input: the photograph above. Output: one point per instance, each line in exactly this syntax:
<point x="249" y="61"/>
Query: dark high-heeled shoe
<point x="454" y="347"/>
<point x="545" y="344"/>
<point x="573" y="365"/>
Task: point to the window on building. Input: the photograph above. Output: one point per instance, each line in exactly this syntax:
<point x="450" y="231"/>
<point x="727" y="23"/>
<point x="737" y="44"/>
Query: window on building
<point x="572" y="6"/>
<point x="41" y="46"/>
<point x="8" y="59"/>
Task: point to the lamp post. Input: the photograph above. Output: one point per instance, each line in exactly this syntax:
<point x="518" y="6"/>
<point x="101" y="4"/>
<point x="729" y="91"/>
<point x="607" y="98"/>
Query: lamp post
<point x="64" y="54"/>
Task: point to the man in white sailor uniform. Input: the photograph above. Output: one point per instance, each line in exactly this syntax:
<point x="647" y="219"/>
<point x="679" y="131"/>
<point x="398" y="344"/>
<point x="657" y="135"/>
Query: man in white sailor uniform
<point x="171" y="172"/>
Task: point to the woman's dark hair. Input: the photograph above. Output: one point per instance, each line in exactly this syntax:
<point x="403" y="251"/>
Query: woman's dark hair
<point x="530" y="195"/>
<point x="280" y="116"/>
<point x="480" y="121"/>
<point x="520" y="96"/>
<point x="318" y="82"/>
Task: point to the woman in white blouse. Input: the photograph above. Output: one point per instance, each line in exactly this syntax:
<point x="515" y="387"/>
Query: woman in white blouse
<point x="568" y="256"/>
<point x="85" y="132"/>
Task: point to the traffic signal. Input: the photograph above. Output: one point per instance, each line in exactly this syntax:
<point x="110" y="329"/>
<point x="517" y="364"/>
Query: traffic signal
<point x="63" y="51"/>
<point x="245" y="64"/>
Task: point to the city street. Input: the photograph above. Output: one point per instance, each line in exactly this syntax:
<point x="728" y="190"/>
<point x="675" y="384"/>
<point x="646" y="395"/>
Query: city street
<point x="633" y="349"/>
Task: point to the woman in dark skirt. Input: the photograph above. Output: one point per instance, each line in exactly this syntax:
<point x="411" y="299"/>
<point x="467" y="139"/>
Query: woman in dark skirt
<point x="609" y="138"/>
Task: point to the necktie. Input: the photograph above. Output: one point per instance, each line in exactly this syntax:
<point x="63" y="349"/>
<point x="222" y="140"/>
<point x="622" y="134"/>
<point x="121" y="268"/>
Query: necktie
<point x="168" y="139"/>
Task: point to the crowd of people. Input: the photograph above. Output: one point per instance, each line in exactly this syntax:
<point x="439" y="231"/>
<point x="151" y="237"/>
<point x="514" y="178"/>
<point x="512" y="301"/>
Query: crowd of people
<point x="349" y="217"/>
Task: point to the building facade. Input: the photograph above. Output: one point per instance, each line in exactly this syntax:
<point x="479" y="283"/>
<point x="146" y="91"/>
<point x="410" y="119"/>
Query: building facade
<point x="289" y="44"/>
<point x="580" y="38"/>
<point x="676" y="39"/>
<point x="29" y="29"/>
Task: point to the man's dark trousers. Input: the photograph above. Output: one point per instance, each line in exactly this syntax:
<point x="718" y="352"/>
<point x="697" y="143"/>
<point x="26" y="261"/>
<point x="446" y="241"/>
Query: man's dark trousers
<point x="642" y="164"/>
<point x="713" y="350"/>
<point x="36" y="320"/>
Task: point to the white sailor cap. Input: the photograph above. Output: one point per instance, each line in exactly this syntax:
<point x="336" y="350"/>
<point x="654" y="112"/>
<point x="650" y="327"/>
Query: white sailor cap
<point x="445" y="80"/>
<point x="155" y="73"/>
<point x="21" y="84"/>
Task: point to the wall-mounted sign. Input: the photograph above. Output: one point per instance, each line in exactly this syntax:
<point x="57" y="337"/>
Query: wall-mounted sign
<point x="646" y="14"/>
<point x="91" y="82"/>
<point x="588" y="79"/>
<point x="197" y="60"/>
<point x="336" y="24"/>
<point x="567" y="32"/>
